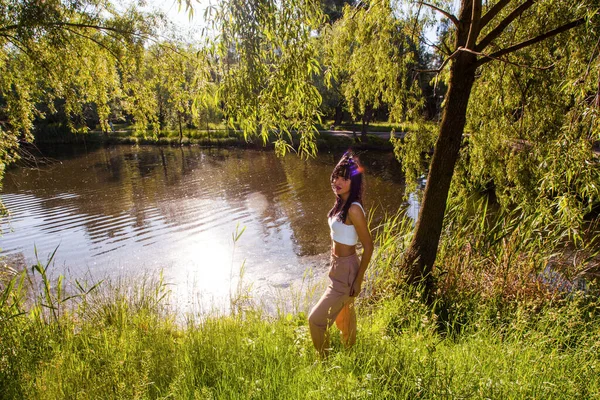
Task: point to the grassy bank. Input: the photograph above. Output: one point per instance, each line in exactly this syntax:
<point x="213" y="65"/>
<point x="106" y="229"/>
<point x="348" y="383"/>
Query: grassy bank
<point x="376" y="126"/>
<point x="499" y="329"/>
<point x="124" y="348"/>
<point x="217" y="137"/>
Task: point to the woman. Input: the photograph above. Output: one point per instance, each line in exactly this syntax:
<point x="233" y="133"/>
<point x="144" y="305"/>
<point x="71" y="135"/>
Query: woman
<point x="348" y="223"/>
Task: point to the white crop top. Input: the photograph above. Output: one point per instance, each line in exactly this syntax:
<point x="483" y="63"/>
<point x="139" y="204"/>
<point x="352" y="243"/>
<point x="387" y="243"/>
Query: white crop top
<point x="342" y="233"/>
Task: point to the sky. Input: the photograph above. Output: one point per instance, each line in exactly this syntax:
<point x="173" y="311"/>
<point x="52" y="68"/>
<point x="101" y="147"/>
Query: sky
<point x="189" y="27"/>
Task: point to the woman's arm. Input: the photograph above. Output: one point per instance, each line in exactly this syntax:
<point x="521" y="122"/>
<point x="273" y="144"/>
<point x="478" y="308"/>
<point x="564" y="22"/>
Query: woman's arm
<point x="359" y="220"/>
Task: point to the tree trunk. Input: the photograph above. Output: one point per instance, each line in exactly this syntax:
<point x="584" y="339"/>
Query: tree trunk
<point x="207" y="128"/>
<point x="339" y="114"/>
<point x="365" y="122"/>
<point x="421" y="254"/>
<point x="180" y="130"/>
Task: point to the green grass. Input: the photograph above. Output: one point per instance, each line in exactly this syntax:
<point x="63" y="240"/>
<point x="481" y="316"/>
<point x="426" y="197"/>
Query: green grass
<point x="127" y="347"/>
<point x="218" y="136"/>
<point x="376" y="126"/>
<point x="495" y="331"/>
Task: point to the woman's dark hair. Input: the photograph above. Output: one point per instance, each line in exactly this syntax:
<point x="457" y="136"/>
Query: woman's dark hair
<point x="348" y="168"/>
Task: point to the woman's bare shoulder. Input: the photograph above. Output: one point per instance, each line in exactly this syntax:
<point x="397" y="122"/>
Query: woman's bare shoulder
<point x="356" y="210"/>
<point x="356" y="206"/>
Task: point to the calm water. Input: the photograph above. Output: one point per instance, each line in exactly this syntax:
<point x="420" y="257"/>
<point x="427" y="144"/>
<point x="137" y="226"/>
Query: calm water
<point x="132" y="211"/>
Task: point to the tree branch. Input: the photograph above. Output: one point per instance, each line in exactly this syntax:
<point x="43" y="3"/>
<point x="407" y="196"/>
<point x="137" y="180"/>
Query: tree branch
<point x="71" y="24"/>
<point x="492" y="12"/>
<point x="446" y="50"/>
<point x="534" y="40"/>
<point x="503" y="24"/>
<point x="438" y="70"/>
<point x="98" y="43"/>
<point x="488" y="56"/>
<point x="445" y="13"/>
<point x="474" y="25"/>
<point x="359" y="6"/>
<point x="416" y="21"/>
<point x="29" y="53"/>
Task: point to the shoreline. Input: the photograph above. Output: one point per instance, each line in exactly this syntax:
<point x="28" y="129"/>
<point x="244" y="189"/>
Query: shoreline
<point x="327" y="140"/>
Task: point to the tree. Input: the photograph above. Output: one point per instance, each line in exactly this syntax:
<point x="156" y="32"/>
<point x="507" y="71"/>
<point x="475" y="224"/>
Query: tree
<point x="481" y="33"/>
<point x="75" y="51"/>
<point x="179" y="77"/>
<point x="531" y="132"/>
<point x="477" y="29"/>
<point x="368" y="37"/>
<point x="268" y="58"/>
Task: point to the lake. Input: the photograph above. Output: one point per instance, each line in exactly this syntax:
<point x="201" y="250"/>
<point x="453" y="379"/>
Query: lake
<point x="128" y="212"/>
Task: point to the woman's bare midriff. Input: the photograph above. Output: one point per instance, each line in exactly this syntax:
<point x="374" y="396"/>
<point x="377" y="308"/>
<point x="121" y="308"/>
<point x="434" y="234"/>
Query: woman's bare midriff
<point x="342" y="250"/>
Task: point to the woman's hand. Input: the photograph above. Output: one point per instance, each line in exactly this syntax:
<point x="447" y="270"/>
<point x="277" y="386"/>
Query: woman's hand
<point x="356" y="287"/>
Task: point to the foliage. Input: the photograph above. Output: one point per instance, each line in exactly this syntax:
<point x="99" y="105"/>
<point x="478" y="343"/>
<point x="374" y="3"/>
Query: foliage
<point x="413" y="150"/>
<point x="532" y="131"/>
<point x="75" y="52"/>
<point x="485" y="33"/>
<point x="370" y="52"/>
<point x="179" y="77"/>
<point x="267" y="61"/>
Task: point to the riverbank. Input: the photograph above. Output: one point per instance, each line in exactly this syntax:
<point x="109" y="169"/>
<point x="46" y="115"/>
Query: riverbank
<point x="326" y="140"/>
<point x="127" y="345"/>
<point x="499" y="329"/>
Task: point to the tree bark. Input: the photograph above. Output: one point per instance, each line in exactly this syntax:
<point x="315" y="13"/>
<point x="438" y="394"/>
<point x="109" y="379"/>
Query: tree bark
<point x="421" y="254"/>
<point x="339" y="114"/>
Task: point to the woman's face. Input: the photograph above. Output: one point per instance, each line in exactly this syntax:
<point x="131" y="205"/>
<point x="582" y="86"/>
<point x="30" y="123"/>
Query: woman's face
<point x="341" y="185"/>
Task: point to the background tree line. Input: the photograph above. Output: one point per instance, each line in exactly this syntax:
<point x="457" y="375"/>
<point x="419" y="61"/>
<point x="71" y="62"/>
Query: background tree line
<point x="80" y="66"/>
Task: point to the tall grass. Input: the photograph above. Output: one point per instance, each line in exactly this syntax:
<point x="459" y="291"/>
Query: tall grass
<point x="498" y="330"/>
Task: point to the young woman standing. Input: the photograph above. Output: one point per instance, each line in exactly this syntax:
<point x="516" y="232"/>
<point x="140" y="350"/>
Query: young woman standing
<point x="348" y="224"/>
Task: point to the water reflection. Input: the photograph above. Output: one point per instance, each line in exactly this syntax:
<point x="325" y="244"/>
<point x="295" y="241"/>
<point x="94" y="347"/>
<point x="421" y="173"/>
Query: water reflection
<point x="130" y="210"/>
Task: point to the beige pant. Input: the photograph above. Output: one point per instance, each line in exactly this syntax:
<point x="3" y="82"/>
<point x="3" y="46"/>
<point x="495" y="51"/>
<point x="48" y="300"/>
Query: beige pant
<point x="336" y="304"/>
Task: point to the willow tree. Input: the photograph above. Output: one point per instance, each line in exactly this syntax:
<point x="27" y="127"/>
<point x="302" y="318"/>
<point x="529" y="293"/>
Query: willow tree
<point x="267" y="59"/>
<point x="494" y="32"/>
<point x="371" y="53"/>
<point x="179" y="77"/>
<point x="532" y="128"/>
<point x="73" y="51"/>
